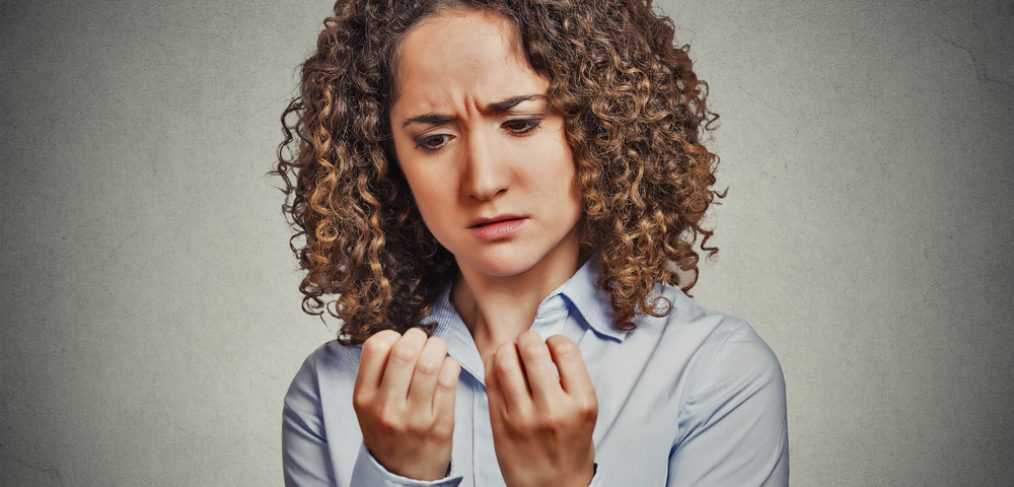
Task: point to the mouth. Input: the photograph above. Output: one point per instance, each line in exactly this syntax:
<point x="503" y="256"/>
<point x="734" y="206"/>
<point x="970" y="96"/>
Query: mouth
<point x="496" y="219"/>
<point x="497" y="229"/>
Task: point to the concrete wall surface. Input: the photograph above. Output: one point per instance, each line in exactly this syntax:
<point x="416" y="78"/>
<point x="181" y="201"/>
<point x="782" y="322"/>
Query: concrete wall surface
<point x="150" y="314"/>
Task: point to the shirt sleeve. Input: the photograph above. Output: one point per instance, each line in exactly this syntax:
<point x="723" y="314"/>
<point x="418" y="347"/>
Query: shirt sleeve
<point x="733" y="426"/>
<point x="305" y="459"/>
<point x="369" y="472"/>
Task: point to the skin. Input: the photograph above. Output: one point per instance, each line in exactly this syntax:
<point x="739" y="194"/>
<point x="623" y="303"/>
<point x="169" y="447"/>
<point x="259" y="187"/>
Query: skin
<point x="404" y="401"/>
<point x="486" y="162"/>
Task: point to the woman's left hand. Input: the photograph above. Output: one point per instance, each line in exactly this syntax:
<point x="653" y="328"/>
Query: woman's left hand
<point x="542" y="426"/>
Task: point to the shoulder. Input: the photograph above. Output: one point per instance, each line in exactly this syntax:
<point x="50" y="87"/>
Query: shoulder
<point x="330" y="355"/>
<point x="728" y="398"/>
<point x="734" y="345"/>
<point x="719" y="336"/>
<point x="730" y="368"/>
<point x="721" y="349"/>
<point x="734" y="355"/>
<point x="331" y="366"/>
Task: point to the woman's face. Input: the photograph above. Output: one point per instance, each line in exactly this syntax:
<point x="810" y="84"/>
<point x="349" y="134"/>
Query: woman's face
<point x="474" y="140"/>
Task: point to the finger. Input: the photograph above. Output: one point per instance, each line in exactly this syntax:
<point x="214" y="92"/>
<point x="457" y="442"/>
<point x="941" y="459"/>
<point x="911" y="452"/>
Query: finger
<point x="510" y="378"/>
<point x="372" y="358"/>
<point x="427" y="370"/>
<point x="539" y="369"/>
<point x="573" y="373"/>
<point x="401" y="364"/>
<point x="446" y="392"/>
<point x="494" y="396"/>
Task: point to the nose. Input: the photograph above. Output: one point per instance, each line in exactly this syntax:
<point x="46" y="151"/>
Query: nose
<point x="486" y="173"/>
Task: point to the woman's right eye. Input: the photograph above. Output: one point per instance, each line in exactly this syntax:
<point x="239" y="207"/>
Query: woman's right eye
<point x="426" y="143"/>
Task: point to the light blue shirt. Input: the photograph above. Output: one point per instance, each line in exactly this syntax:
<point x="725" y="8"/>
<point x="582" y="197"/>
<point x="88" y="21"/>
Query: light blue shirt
<point x="693" y="399"/>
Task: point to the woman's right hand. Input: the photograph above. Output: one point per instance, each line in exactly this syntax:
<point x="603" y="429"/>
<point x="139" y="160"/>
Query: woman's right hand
<point x="404" y="399"/>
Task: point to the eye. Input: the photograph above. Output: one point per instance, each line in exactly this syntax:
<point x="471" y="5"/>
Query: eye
<point x="435" y="143"/>
<point x="425" y="144"/>
<point x="523" y="126"/>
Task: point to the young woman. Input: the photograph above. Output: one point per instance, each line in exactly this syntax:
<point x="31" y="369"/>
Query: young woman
<point x="499" y="194"/>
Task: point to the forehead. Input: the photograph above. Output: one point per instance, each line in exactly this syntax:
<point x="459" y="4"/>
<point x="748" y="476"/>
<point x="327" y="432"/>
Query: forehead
<point x="459" y="55"/>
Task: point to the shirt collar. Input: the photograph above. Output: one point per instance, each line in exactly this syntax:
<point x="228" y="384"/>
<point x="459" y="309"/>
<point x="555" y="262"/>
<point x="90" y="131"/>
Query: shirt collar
<point x="592" y="303"/>
<point x="580" y="291"/>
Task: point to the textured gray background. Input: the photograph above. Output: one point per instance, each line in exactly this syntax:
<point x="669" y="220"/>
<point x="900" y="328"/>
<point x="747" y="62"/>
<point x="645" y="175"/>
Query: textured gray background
<point x="150" y="317"/>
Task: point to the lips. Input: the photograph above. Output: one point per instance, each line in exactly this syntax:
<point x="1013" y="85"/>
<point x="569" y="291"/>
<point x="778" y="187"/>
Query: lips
<point x="497" y="230"/>
<point x="498" y="218"/>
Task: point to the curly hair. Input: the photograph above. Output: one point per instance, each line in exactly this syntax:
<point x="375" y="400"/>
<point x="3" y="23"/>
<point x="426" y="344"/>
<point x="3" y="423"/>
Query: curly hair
<point x="634" y="114"/>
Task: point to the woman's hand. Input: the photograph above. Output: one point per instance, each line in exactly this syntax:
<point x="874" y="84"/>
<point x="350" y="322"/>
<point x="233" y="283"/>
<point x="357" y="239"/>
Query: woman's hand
<point x="404" y="399"/>
<point x="542" y="426"/>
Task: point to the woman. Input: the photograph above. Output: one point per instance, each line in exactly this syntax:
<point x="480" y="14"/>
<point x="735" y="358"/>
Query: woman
<point x="495" y="190"/>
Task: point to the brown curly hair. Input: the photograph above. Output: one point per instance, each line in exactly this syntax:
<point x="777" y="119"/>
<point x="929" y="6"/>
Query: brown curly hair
<point x="633" y="110"/>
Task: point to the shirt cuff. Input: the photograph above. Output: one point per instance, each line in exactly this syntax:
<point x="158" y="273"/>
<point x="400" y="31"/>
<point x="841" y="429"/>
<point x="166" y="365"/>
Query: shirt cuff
<point x="596" y="480"/>
<point x="368" y="471"/>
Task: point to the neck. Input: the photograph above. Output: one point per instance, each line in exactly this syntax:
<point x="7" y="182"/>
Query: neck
<point x="498" y="309"/>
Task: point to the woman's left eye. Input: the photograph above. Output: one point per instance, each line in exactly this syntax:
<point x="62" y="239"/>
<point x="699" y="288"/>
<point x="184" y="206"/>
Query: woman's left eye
<point x="426" y="143"/>
<point x="523" y="126"/>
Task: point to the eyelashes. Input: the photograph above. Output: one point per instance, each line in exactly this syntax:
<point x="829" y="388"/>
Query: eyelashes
<point x="519" y="127"/>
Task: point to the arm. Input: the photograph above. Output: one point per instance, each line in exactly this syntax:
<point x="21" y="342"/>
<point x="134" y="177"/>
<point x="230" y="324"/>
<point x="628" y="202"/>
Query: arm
<point x="369" y="472"/>
<point x="733" y="426"/>
<point x="306" y="460"/>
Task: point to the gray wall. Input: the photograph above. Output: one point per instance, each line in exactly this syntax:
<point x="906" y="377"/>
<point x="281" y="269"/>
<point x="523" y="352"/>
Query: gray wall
<point x="150" y="317"/>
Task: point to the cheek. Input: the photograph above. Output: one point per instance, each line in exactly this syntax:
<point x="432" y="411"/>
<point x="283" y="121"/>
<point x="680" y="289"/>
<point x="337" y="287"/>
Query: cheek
<point x="427" y="194"/>
<point x="561" y="160"/>
<point x="434" y="198"/>
<point x="557" y="179"/>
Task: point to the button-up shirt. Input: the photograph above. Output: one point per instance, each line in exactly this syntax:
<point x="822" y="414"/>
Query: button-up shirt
<point x="695" y="398"/>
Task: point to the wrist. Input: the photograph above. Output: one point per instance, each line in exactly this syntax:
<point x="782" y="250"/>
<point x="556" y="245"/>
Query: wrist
<point x="425" y="474"/>
<point x="584" y="478"/>
<point x="413" y="471"/>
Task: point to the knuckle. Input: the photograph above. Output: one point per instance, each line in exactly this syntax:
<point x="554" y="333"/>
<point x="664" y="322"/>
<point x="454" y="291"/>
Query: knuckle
<point x="528" y="336"/>
<point x="504" y="348"/>
<point x="437" y="341"/>
<point x="523" y="423"/>
<point x="446" y="387"/>
<point x="380" y="342"/>
<point x="448" y="381"/>
<point x="403" y="351"/>
<point x="447" y="384"/>
<point x="427" y="367"/>
<point x="418" y="426"/>
<point x="505" y="367"/>
<point x="588" y="409"/>
<point x="534" y="350"/>
<point x="442" y="433"/>
<point x="562" y="345"/>
<point x="504" y="354"/>
<point x="360" y="402"/>
<point x="553" y="422"/>
<point x="415" y="428"/>
<point x="416" y="333"/>
<point x="390" y="420"/>
<point x="390" y="423"/>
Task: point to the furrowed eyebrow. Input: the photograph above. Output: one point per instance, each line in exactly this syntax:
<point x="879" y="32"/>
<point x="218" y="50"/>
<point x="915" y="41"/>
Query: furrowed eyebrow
<point x="493" y="108"/>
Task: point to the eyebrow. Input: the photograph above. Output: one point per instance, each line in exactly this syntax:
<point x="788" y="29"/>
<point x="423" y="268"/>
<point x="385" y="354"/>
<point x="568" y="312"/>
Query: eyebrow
<point x="494" y="108"/>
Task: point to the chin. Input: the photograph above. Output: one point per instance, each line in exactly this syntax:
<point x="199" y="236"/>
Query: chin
<point x="501" y="260"/>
